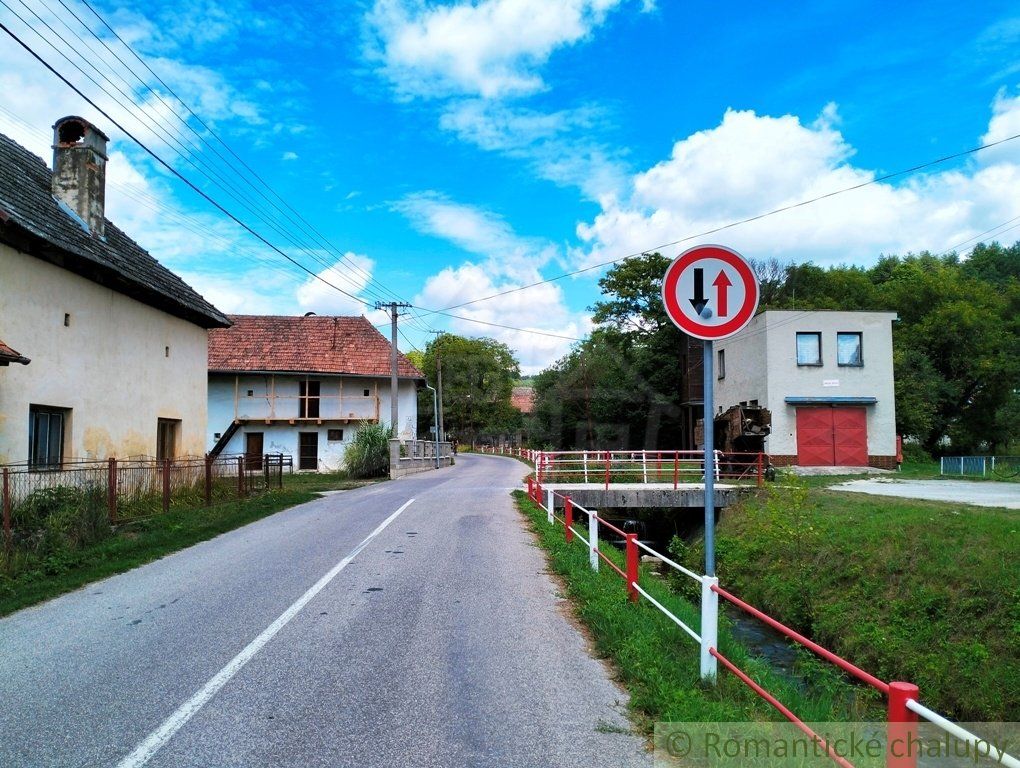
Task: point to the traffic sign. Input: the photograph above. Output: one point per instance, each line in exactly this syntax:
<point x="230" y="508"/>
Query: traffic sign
<point x="710" y="292"/>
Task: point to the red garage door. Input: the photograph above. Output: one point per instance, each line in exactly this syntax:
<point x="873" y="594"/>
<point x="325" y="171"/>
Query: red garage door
<point x="832" y="437"/>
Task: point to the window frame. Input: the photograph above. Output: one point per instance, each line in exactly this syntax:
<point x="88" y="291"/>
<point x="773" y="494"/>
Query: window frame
<point x="860" y="349"/>
<point x="720" y="364"/>
<point x="168" y="435"/>
<point x="309" y="392"/>
<point x="50" y="411"/>
<point x="796" y="348"/>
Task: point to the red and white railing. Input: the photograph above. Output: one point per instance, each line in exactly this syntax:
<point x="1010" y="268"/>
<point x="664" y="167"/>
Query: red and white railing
<point x="903" y="707"/>
<point x="644" y="467"/>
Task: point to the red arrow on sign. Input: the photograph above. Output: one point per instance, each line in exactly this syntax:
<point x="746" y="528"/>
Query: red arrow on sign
<point x="721" y="283"/>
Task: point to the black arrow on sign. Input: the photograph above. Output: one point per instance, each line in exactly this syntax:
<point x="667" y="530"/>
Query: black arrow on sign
<point x="699" y="301"/>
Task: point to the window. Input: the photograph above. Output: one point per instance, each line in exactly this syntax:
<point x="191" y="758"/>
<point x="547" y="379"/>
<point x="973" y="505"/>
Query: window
<point x="809" y="348"/>
<point x="721" y="366"/>
<point x="849" y="349"/>
<point x="167" y="431"/>
<point x="308" y="391"/>
<point x="46" y="429"/>
<point x="366" y="393"/>
<point x="334" y="435"/>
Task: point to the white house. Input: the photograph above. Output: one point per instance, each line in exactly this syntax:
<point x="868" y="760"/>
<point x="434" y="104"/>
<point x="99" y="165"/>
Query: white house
<point x="111" y="344"/>
<point x="827" y="378"/>
<point x="303" y="386"/>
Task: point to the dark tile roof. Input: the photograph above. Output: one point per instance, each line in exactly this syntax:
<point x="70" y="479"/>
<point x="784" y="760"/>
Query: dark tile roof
<point x="8" y="355"/>
<point x="32" y="222"/>
<point x="313" y="344"/>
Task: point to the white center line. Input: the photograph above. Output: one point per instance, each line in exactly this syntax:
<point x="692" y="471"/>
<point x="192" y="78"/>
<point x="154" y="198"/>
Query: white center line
<point x="144" y="751"/>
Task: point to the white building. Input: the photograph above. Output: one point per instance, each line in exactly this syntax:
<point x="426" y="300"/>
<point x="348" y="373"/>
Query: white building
<point x="827" y="378"/>
<point x="111" y="344"/>
<point x="303" y="386"/>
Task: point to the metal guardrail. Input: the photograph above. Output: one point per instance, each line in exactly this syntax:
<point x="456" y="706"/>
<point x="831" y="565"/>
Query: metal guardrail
<point x="661" y="467"/>
<point x="903" y="707"/>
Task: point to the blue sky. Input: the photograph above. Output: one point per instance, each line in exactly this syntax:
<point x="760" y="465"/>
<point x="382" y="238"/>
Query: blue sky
<point x="453" y="150"/>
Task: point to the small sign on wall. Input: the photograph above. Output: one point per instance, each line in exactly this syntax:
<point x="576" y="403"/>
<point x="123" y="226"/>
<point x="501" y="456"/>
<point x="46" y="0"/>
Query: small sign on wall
<point x="830" y="382"/>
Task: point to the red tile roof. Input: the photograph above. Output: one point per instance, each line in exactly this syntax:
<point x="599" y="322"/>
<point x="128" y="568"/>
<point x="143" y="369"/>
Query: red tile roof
<point x="314" y="344"/>
<point x="523" y="399"/>
<point x="8" y="355"/>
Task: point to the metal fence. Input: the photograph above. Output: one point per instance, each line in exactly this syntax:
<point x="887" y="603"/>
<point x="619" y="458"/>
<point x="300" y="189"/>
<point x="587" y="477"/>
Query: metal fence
<point x="115" y="491"/>
<point x="903" y="705"/>
<point x="980" y="466"/>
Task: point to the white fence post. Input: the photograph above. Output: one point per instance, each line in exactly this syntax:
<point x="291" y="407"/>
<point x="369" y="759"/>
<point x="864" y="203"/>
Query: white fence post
<point x="550" y="500"/>
<point x="644" y="467"/>
<point x="709" y="627"/>
<point x="593" y="539"/>
<point x="586" y="466"/>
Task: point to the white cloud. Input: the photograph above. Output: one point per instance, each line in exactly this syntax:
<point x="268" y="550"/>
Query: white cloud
<point x="479" y="232"/>
<point x="289" y="155"/>
<point x="556" y="144"/>
<point x="752" y="163"/>
<point x="538" y="309"/>
<point x="352" y="274"/>
<point x="491" y="48"/>
<point x="508" y="260"/>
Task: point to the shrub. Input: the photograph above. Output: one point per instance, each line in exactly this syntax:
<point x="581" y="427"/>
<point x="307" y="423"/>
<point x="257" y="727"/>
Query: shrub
<point x="368" y="455"/>
<point x="52" y="519"/>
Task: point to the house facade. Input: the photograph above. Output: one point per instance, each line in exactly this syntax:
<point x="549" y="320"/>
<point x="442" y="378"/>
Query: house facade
<point x="303" y="386"/>
<point x="110" y="356"/>
<point x="827" y="378"/>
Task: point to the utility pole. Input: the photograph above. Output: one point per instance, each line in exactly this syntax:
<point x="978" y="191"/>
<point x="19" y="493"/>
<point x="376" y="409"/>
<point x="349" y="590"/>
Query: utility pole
<point x="439" y="386"/>
<point x="393" y="306"/>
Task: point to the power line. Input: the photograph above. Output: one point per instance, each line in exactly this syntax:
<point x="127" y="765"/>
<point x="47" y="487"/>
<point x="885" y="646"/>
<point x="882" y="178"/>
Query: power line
<point x="208" y="198"/>
<point x="733" y="224"/>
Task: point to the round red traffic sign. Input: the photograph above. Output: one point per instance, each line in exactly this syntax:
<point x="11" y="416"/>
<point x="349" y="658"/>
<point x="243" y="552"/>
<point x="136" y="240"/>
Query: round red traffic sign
<point x="710" y="292"/>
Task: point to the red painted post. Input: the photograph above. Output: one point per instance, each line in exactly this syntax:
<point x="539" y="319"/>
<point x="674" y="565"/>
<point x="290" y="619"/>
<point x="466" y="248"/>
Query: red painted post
<point x="538" y="467"/>
<point x="632" y="566"/>
<point x="111" y="490"/>
<point x="607" y="470"/>
<point x="676" y="468"/>
<point x="240" y="477"/>
<point x="761" y="468"/>
<point x="903" y="743"/>
<point x="568" y="516"/>
<point x="166" y="485"/>
<point x="208" y="480"/>
<point x="531" y="487"/>
<point x="7" y="507"/>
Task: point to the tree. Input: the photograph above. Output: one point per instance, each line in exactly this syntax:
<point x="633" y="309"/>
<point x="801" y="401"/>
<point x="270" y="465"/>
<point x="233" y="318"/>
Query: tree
<point x="478" y="380"/>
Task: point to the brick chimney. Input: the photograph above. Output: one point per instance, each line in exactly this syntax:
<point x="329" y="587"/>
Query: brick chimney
<point x="79" y="170"/>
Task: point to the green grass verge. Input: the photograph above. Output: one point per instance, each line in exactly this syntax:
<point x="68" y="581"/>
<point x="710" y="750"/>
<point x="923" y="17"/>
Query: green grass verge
<point x="924" y="592"/>
<point x="29" y="580"/>
<point x="659" y="663"/>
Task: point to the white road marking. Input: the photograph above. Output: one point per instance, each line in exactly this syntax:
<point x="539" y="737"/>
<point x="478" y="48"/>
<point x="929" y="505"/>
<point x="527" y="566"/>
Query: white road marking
<point x="158" y="738"/>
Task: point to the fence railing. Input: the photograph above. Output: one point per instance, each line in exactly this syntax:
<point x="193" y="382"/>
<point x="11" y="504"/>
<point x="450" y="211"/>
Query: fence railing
<point x="980" y="466"/>
<point x="903" y="706"/>
<point x="129" y="489"/>
<point x="660" y="467"/>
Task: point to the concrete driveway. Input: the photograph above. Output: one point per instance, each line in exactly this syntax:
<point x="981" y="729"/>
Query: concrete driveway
<point x="987" y="494"/>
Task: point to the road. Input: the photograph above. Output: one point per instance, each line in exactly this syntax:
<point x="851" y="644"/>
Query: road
<point x="981" y="494"/>
<point x="442" y="642"/>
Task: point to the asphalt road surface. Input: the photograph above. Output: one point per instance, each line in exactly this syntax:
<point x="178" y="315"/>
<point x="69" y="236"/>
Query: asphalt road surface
<point x="987" y="494"/>
<point x="407" y="623"/>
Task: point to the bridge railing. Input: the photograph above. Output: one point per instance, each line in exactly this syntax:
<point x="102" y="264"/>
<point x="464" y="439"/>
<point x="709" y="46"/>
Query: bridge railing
<point x="669" y="467"/>
<point x="903" y="706"/>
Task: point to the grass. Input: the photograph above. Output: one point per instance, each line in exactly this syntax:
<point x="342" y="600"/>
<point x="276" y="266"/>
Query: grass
<point x="26" y="580"/>
<point x="924" y="592"/>
<point x="659" y="664"/>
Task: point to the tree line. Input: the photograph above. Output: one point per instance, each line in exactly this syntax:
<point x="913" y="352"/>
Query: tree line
<point x="956" y="350"/>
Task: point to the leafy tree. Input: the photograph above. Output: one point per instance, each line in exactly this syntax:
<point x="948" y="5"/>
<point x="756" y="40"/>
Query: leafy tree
<point x="478" y="380"/>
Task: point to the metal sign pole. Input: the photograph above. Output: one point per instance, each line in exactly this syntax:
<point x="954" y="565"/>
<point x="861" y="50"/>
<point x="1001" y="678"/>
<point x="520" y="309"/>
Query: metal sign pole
<point x="709" y="432"/>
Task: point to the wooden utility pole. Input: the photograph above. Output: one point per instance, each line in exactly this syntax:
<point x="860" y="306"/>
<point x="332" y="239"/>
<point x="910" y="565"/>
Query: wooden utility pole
<point x="393" y="306"/>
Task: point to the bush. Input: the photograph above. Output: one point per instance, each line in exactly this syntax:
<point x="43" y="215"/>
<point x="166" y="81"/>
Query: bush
<point x="52" y="519"/>
<point x="369" y="454"/>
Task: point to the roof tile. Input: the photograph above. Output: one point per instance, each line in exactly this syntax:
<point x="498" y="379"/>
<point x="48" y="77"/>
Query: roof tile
<point x="313" y="344"/>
